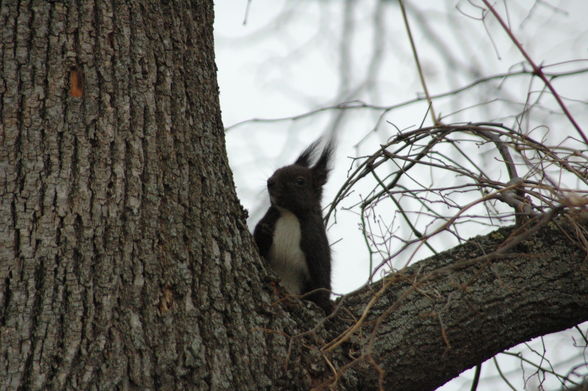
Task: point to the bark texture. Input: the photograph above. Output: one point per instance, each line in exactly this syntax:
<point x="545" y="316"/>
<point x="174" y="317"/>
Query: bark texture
<point x="450" y="312"/>
<point x="124" y="259"/>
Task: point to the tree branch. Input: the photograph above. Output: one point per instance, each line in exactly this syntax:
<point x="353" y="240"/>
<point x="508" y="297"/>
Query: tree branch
<point x="447" y="313"/>
<point x="537" y="70"/>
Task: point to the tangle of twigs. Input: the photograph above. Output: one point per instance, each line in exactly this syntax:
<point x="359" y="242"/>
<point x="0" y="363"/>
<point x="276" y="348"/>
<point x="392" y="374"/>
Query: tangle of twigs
<point x="511" y="179"/>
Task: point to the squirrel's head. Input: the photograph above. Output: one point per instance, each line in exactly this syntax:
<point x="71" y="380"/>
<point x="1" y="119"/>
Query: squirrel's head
<point x="299" y="186"/>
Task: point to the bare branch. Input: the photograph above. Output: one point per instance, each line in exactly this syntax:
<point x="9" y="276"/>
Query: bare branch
<point x="537" y="70"/>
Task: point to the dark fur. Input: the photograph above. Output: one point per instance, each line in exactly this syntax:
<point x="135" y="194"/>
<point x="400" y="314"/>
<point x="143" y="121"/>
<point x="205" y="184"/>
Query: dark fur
<point x="298" y="188"/>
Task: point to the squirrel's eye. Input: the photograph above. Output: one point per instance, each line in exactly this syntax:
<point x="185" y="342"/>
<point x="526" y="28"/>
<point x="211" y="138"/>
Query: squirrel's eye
<point x="300" y="181"/>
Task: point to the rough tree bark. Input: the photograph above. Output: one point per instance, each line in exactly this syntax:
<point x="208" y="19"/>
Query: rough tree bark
<point x="455" y="310"/>
<point x="125" y="262"/>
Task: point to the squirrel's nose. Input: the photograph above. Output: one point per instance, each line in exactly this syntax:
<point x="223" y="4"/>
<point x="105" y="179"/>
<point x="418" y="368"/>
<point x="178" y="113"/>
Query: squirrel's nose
<point x="270" y="183"/>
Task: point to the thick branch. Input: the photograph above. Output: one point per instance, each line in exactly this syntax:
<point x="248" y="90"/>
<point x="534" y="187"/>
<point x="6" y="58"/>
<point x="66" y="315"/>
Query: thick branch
<point x="452" y="311"/>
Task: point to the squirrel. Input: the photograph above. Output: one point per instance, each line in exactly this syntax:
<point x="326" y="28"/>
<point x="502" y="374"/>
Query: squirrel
<point x="291" y="235"/>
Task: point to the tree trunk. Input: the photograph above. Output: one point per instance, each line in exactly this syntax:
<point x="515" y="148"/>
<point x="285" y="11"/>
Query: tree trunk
<point x="125" y="262"/>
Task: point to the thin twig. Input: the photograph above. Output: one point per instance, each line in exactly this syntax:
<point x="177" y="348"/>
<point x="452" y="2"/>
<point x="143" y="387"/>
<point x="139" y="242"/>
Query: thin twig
<point x="502" y="375"/>
<point x="537" y="70"/>
<point x="418" y="63"/>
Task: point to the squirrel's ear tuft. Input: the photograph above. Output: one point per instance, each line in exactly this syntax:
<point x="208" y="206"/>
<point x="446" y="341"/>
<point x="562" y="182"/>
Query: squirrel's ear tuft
<point x="320" y="171"/>
<point x="305" y="157"/>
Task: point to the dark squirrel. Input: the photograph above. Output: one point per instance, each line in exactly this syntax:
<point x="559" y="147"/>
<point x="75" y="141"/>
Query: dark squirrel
<point x="291" y="236"/>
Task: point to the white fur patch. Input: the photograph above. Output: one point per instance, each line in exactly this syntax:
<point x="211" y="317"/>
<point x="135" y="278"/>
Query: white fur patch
<point x="287" y="259"/>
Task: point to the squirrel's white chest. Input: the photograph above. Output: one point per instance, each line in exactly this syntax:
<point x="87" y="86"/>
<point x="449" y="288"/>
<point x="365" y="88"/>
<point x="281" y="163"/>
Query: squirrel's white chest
<point x="286" y="257"/>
